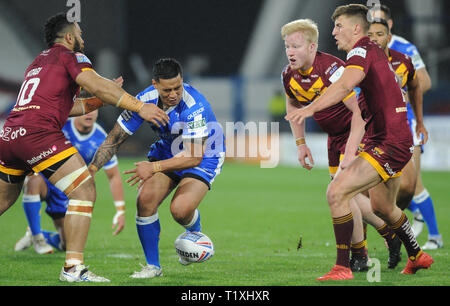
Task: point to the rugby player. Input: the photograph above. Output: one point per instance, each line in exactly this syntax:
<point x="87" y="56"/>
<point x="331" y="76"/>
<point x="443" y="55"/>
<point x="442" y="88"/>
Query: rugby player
<point x="308" y="74"/>
<point x="187" y="158"/>
<point x="422" y="204"/>
<point x="32" y="141"/>
<point x="86" y="135"/>
<point x="389" y="141"/>
<point x="404" y="68"/>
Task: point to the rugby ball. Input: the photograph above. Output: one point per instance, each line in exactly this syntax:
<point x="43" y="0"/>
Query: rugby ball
<point x="193" y="247"/>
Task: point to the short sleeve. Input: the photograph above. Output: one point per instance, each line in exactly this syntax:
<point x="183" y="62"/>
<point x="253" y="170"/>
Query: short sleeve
<point x="357" y="58"/>
<point x="416" y="59"/>
<point x="130" y="121"/>
<point x="75" y="63"/>
<point x="111" y="163"/>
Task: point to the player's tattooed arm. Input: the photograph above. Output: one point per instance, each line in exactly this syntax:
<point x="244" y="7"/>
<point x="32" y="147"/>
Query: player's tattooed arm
<point x="109" y="147"/>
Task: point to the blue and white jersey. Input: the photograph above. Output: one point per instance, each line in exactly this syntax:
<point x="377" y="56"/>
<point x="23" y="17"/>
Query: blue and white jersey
<point x="87" y="144"/>
<point x="191" y="118"/>
<point x="400" y="44"/>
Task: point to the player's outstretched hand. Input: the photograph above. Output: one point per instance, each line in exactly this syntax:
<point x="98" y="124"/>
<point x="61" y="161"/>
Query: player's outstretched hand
<point x="299" y="115"/>
<point x="143" y="171"/>
<point x="152" y="113"/>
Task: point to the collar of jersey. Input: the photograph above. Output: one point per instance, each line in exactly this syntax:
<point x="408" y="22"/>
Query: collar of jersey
<point x="306" y="72"/>
<point x="167" y="111"/>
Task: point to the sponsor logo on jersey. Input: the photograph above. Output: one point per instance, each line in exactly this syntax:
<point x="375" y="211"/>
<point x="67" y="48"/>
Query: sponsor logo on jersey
<point x="331" y="67"/>
<point x="193" y="125"/>
<point x="8" y="134"/>
<point x="19" y="109"/>
<point x="357" y="51"/>
<point x="337" y="74"/>
<point x="81" y="58"/>
<point x="195" y="113"/>
<point x="33" y="72"/>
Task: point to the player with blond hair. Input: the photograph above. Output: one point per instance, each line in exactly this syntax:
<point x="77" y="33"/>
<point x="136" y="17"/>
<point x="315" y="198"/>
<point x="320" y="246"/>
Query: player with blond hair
<point x="389" y="141"/>
<point x="308" y="74"/>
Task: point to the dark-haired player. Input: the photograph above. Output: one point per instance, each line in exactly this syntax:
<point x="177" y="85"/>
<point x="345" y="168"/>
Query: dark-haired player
<point x="389" y="140"/>
<point x="404" y="68"/>
<point x="421" y="205"/>
<point x="187" y="158"/>
<point x="86" y="135"/>
<point x="32" y="140"/>
<point x="308" y="74"/>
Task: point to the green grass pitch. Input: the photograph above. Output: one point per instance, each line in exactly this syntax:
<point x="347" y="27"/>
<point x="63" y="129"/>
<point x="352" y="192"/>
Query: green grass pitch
<point x="254" y="216"/>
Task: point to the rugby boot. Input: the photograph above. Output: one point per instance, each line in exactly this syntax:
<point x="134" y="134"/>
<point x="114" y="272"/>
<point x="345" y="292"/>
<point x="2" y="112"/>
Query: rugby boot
<point x="394" y="246"/>
<point x="337" y="273"/>
<point x="359" y="263"/>
<point x="423" y="261"/>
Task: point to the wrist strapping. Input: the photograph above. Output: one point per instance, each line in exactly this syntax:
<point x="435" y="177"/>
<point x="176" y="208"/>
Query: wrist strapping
<point x="91" y="104"/>
<point x="129" y="102"/>
<point x="120" y="205"/>
<point x="157" y="166"/>
<point x="300" y="141"/>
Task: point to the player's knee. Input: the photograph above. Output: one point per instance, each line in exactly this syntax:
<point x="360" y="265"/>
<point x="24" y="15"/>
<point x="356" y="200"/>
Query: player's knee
<point x="335" y="195"/>
<point x="33" y="185"/>
<point x="406" y="192"/>
<point x="146" y="204"/>
<point x="181" y="213"/>
<point x="86" y="191"/>
<point x="404" y="197"/>
<point x="383" y="211"/>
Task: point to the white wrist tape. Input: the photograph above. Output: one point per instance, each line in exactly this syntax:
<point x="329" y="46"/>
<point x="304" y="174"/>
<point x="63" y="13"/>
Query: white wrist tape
<point x="117" y="215"/>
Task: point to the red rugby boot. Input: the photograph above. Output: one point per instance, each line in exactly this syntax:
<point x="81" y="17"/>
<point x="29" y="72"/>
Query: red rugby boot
<point x="423" y="261"/>
<point x="337" y="273"/>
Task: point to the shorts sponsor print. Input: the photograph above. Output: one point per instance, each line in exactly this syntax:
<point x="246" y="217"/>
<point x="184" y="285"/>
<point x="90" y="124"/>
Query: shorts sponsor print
<point x="32" y="149"/>
<point x="388" y="159"/>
